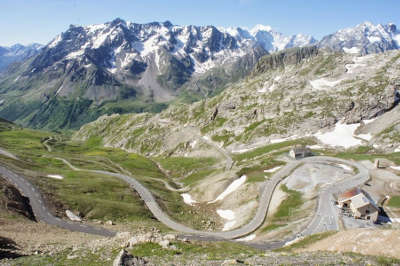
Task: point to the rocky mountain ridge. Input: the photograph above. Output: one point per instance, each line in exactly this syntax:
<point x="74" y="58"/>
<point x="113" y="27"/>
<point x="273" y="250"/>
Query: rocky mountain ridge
<point x="88" y="71"/>
<point x="365" y="38"/>
<point x="319" y="97"/>
<point x="124" y="67"/>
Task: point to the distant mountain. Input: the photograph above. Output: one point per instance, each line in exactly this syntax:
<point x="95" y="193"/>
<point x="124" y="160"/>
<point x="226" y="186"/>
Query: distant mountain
<point x="121" y="67"/>
<point x="269" y="39"/>
<point x="17" y="53"/>
<point x="364" y="38"/>
<point x="87" y="71"/>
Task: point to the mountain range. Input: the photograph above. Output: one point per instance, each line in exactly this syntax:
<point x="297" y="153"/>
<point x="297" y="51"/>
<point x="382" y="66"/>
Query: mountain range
<point x="120" y="67"/>
<point x="17" y="53"/>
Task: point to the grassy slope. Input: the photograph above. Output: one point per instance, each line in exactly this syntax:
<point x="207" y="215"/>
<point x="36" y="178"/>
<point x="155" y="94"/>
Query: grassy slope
<point x="288" y="208"/>
<point x="290" y="205"/>
<point x="394" y="202"/>
<point x="95" y="196"/>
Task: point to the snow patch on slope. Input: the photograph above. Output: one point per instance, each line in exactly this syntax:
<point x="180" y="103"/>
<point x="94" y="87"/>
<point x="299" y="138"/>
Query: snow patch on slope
<point x="231" y="188"/>
<point x="229" y="216"/>
<point x="352" y="50"/>
<point x="323" y="84"/>
<point x="55" y="41"/>
<point x="187" y="198"/>
<point x="59" y="177"/>
<point x="272" y="169"/>
<point x="247" y="238"/>
<point x="342" y="135"/>
<point x="396" y="39"/>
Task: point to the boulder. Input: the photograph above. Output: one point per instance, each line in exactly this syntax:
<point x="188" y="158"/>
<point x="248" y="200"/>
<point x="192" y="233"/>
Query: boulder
<point x="109" y="222"/>
<point x="72" y="257"/>
<point x="133" y="241"/>
<point x="170" y="237"/>
<point x="16" y="202"/>
<point x="126" y="259"/>
<point x="164" y="243"/>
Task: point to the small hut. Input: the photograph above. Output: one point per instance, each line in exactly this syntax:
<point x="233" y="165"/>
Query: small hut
<point x="299" y="152"/>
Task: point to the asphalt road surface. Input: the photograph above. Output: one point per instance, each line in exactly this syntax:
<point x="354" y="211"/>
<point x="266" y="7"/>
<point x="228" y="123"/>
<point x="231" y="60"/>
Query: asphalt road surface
<point x="40" y="210"/>
<point x="325" y="218"/>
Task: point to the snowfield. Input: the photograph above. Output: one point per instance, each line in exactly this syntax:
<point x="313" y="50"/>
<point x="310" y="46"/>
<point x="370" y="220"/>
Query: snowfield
<point x="231" y="188"/>
<point x="188" y="199"/>
<point x="342" y="135"/>
<point x="352" y="50"/>
<point x="367" y="137"/>
<point x="323" y="84"/>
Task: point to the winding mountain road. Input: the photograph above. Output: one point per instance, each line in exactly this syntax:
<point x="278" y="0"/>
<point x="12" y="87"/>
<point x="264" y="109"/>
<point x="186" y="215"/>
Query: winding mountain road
<point x="40" y="210"/>
<point x="325" y="208"/>
<point x="325" y="218"/>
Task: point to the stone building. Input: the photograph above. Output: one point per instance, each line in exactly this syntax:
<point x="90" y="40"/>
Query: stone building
<point x="299" y="152"/>
<point x="360" y="203"/>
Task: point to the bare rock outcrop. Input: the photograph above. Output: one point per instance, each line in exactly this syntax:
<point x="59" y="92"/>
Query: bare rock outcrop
<point x="373" y="106"/>
<point x="153" y="237"/>
<point x="126" y="259"/>
<point x="16" y="202"/>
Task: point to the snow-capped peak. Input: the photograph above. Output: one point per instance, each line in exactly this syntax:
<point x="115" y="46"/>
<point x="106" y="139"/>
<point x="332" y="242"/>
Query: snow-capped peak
<point x="260" y="27"/>
<point x="119" y="43"/>
<point x="365" y="37"/>
<point x="267" y="38"/>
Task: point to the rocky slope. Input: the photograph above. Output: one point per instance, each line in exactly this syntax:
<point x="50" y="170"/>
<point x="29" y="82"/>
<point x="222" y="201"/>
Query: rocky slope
<point x="331" y="97"/>
<point x="12" y="201"/>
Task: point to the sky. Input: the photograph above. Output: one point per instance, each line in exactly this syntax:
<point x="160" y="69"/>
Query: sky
<point x="28" y="21"/>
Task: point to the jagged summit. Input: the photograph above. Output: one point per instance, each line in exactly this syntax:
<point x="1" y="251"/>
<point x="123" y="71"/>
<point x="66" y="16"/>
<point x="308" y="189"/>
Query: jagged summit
<point x="269" y="39"/>
<point x="93" y="69"/>
<point x="364" y="38"/>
